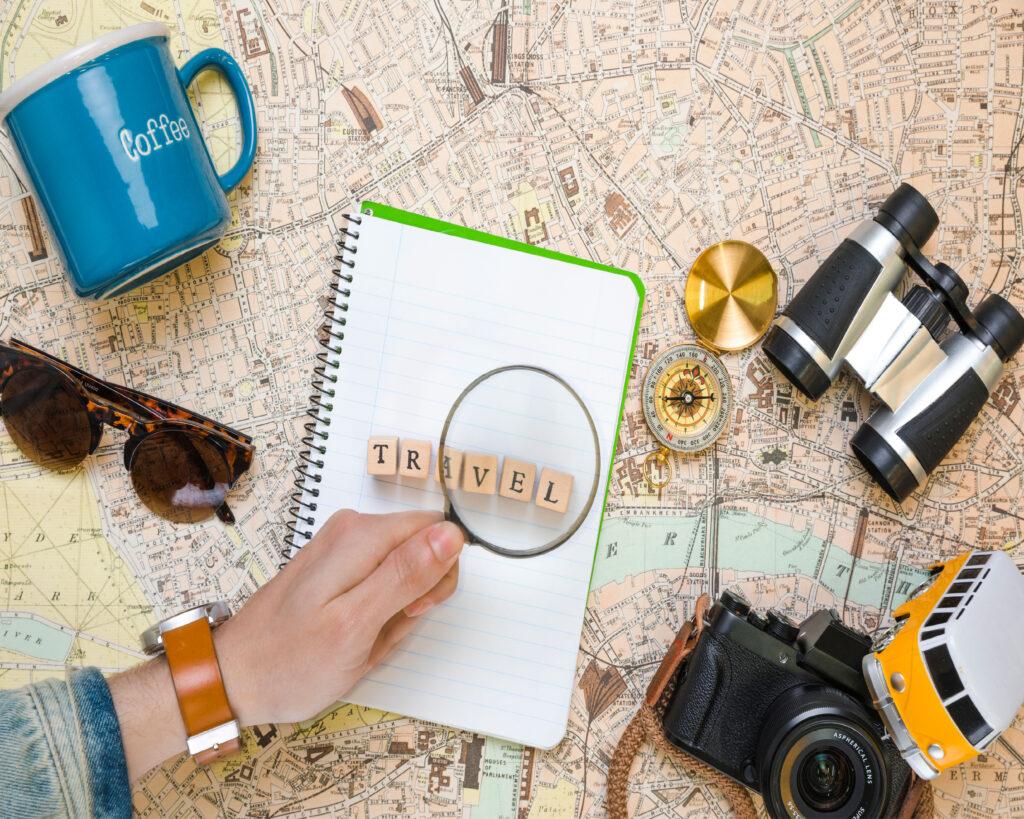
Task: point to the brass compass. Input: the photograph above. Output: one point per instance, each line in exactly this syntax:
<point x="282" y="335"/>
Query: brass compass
<point x="731" y="295"/>
<point x="687" y="401"/>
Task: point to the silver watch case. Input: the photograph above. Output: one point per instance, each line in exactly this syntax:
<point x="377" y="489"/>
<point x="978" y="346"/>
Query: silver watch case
<point x="215" y="613"/>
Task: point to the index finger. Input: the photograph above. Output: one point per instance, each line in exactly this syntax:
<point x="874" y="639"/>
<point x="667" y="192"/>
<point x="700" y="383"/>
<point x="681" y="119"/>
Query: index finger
<point x="350" y="545"/>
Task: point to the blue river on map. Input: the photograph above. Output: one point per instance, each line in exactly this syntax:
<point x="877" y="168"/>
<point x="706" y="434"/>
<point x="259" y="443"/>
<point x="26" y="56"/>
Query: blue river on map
<point x="35" y="639"/>
<point x="746" y="543"/>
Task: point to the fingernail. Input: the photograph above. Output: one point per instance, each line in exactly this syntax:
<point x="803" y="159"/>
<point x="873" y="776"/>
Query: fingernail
<point x="445" y="539"/>
<point x="418" y="608"/>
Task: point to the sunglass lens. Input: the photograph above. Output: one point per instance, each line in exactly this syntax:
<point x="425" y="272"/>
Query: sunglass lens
<point x="180" y="476"/>
<point x="46" y="418"/>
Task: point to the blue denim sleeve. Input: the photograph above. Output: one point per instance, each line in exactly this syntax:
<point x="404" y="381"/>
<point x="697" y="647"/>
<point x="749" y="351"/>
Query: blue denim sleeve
<point x="62" y="752"/>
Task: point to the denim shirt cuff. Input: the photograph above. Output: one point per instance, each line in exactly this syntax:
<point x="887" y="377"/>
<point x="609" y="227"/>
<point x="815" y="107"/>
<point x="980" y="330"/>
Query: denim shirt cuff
<point x="101" y="736"/>
<point x="86" y="743"/>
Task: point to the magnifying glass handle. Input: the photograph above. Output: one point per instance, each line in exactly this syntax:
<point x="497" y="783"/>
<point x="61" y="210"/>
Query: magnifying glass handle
<point x="452" y="516"/>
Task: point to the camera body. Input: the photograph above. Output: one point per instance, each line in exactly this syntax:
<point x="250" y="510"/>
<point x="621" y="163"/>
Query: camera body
<point x="931" y="387"/>
<point x="784" y="709"/>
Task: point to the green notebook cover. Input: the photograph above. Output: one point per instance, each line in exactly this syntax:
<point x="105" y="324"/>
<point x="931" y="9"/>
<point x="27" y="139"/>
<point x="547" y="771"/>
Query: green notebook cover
<point x="391" y="214"/>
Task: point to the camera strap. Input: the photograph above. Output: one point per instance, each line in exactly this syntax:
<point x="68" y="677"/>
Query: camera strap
<point x="646" y="727"/>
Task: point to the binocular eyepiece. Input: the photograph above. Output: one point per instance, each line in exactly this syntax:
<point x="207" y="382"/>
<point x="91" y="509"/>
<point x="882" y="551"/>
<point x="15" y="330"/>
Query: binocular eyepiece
<point x="847" y="314"/>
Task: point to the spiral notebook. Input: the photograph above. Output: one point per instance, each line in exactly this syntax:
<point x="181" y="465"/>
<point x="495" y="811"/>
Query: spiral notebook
<point x="420" y="308"/>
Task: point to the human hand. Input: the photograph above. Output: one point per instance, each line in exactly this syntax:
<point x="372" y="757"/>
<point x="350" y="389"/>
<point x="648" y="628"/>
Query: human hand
<point x="334" y="612"/>
<point x="303" y="640"/>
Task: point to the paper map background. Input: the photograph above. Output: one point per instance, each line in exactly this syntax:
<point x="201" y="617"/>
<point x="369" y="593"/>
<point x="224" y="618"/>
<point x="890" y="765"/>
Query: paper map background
<point x="634" y="134"/>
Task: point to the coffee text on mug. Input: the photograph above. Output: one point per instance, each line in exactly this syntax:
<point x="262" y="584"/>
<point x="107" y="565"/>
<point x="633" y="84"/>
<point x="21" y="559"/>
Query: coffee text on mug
<point x="159" y="133"/>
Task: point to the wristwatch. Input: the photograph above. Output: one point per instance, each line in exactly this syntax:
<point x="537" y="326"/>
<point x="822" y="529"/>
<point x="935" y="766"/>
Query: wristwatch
<point x="186" y="639"/>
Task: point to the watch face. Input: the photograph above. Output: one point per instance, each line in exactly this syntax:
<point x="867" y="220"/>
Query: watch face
<point x="687" y="398"/>
<point x="214" y="613"/>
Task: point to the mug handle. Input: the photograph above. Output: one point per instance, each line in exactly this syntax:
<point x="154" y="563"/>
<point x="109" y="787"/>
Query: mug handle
<point x="219" y="60"/>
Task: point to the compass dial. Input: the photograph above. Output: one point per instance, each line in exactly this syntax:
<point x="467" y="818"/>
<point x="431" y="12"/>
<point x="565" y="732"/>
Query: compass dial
<point x="687" y="398"/>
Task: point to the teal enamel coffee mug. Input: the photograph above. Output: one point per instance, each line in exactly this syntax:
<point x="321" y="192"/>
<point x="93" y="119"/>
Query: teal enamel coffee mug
<point x="111" y="151"/>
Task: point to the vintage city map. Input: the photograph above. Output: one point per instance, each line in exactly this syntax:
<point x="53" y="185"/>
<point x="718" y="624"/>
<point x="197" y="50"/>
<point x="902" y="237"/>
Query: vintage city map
<point x="635" y="134"/>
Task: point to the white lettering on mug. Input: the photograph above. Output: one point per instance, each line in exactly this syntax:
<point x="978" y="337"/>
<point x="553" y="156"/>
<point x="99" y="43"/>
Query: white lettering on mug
<point x="126" y="142"/>
<point x="159" y="133"/>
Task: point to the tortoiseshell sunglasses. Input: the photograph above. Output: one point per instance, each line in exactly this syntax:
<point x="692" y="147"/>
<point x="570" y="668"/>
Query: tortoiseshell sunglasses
<point x="181" y="464"/>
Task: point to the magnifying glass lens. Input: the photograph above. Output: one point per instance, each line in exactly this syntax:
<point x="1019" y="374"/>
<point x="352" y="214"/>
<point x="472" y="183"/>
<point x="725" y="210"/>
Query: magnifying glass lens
<point x="522" y="461"/>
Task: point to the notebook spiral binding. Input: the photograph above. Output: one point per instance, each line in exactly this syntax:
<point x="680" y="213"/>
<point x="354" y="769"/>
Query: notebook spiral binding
<point x="330" y="337"/>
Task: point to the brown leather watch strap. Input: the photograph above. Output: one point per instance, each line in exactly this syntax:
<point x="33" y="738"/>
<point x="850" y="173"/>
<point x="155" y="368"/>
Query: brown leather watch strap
<point x="192" y="659"/>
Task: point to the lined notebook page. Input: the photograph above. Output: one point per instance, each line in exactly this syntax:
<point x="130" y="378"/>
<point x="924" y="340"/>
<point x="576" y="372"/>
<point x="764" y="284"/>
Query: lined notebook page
<point x="427" y="314"/>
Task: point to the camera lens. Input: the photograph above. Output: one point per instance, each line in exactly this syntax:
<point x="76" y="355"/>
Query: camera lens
<point x="825" y="780"/>
<point x="820" y="757"/>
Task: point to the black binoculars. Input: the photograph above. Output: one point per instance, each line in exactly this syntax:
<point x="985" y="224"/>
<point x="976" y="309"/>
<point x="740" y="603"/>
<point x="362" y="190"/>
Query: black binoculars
<point x="931" y="387"/>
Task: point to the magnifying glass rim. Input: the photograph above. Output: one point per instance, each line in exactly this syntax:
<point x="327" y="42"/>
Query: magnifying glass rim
<point x="452" y="514"/>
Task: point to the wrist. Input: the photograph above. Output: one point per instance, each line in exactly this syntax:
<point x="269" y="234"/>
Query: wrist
<point x="147" y="714"/>
<point x="239" y="677"/>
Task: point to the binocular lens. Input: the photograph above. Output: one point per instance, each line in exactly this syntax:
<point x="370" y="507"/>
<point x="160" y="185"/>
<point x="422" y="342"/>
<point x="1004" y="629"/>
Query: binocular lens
<point x="883" y="463"/>
<point x="1005" y="324"/>
<point x="914" y="213"/>
<point x="795" y="363"/>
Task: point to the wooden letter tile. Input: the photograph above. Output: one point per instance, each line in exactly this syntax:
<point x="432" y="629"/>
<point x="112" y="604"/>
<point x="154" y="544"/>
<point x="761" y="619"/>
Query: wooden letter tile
<point x="517" y="480"/>
<point x="554" y="490"/>
<point x="480" y="473"/>
<point x="452" y="460"/>
<point x="381" y="456"/>
<point x="415" y="460"/>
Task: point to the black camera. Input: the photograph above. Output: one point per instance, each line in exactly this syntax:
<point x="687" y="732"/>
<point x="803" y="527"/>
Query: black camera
<point x="784" y="709"/>
<point x="931" y="386"/>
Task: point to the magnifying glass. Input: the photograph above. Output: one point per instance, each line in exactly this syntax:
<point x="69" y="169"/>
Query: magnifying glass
<point x="519" y="461"/>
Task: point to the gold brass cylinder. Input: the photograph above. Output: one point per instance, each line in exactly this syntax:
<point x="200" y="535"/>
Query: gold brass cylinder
<point x="731" y="295"/>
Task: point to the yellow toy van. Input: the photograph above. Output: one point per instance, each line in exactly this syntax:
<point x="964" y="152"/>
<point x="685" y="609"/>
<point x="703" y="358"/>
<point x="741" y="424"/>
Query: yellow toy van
<point x="948" y="678"/>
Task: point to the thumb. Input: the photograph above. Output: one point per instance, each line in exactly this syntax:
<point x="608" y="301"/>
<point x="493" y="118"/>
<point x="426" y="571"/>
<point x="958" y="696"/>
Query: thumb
<point x="408" y="572"/>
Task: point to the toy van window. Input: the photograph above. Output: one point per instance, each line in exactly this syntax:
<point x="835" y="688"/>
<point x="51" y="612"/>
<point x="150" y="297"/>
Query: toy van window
<point x="937" y="619"/>
<point x="960" y="588"/>
<point x="978" y="560"/>
<point x="969" y="574"/>
<point x="969" y="720"/>
<point x="930" y="633"/>
<point x="944" y="675"/>
<point x="950" y="601"/>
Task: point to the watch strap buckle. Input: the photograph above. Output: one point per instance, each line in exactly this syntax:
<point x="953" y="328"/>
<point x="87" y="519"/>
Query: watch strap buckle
<point x="216" y="742"/>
